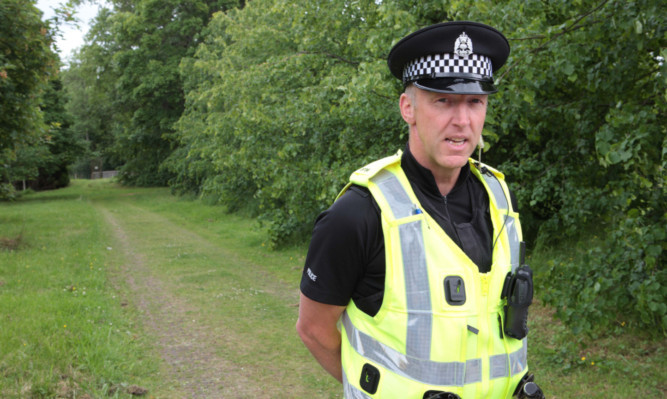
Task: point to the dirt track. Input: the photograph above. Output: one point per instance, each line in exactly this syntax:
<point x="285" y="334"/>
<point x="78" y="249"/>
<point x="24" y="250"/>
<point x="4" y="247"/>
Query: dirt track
<point x="193" y="367"/>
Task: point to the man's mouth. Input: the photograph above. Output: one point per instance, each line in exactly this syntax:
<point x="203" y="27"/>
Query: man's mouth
<point x="456" y="141"/>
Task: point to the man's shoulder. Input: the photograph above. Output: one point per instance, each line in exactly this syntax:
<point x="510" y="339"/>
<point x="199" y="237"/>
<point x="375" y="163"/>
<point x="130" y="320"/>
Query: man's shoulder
<point x="355" y="203"/>
<point x="363" y="174"/>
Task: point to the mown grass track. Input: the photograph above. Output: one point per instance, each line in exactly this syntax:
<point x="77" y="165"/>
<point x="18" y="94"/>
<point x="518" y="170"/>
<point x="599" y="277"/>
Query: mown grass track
<point x="222" y="314"/>
<point x="213" y="309"/>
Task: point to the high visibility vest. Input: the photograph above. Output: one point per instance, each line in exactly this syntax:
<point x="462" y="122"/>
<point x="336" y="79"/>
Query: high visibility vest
<point x="440" y="324"/>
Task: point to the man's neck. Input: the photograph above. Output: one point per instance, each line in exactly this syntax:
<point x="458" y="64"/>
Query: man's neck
<point x="446" y="180"/>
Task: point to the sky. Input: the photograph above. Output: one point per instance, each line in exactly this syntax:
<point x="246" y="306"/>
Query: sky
<point x="72" y="37"/>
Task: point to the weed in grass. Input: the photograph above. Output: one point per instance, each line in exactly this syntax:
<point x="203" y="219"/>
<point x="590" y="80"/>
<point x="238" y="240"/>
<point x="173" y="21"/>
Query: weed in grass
<point x="11" y="244"/>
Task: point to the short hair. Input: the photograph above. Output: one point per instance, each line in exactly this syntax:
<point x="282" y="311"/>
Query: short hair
<point x="411" y="91"/>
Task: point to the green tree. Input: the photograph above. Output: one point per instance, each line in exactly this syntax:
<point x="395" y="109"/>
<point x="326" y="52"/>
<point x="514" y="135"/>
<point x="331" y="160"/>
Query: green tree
<point x="62" y="146"/>
<point x="26" y="65"/>
<point x="91" y="93"/>
<point x="43" y="163"/>
<point x="284" y="101"/>
<point x="150" y="38"/>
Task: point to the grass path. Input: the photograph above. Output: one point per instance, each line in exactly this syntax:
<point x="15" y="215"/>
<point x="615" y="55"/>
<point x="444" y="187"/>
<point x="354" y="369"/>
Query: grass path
<point x="192" y="366"/>
<point x="220" y="319"/>
<point x="111" y="291"/>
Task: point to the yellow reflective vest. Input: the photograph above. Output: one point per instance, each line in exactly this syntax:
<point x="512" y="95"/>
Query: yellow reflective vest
<point x="440" y="324"/>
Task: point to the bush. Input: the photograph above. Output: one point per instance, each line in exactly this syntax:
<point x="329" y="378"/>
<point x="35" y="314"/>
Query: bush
<point x="8" y="192"/>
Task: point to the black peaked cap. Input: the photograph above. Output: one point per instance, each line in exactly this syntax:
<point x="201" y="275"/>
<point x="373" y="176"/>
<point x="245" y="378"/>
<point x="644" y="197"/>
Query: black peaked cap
<point x="441" y="38"/>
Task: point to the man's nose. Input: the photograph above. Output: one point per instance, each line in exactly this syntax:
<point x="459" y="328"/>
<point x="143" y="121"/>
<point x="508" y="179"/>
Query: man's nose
<point x="461" y="114"/>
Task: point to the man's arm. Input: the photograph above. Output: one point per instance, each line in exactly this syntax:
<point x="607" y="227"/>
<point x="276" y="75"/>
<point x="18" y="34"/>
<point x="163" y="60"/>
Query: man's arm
<point x="317" y="327"/>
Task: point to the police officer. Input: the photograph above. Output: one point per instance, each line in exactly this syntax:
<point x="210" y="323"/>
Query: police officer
<point x="402" y="291"/>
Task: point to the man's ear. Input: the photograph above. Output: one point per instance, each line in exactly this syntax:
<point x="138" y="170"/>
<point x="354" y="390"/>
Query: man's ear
<point x="407" y="108"/>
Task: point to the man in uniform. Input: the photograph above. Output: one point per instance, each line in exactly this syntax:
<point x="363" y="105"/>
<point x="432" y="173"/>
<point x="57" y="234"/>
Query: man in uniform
<point x="419" y="257"/>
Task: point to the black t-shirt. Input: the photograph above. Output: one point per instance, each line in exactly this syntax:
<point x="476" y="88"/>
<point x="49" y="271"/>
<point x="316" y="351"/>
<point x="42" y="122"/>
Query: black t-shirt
<point x="346" y="257"/>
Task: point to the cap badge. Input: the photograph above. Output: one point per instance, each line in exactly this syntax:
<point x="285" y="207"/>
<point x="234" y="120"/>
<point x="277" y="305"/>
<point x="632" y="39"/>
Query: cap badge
<point x="463" y="46"/>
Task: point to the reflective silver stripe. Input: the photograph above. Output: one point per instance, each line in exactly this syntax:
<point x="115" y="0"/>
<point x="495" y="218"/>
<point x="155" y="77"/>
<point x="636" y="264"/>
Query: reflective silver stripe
<point x="421" y="370"/>
<point x="513" y="238"/>
<point x="519" y="359"/>
<point x="496" y="189"/>
<point x="429" y="372"/>
<point x="498" y="366"/>
<point x="418" y="294"/>
<point x="351" y="392"/>
<point x="510" y="223"/>
<point x="473" y="371"/>
<point x="398" y="199"/>
<point x="502" y="365"/>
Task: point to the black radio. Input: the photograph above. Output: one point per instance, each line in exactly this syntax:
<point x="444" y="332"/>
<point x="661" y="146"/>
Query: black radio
<point x="518" y="289"/>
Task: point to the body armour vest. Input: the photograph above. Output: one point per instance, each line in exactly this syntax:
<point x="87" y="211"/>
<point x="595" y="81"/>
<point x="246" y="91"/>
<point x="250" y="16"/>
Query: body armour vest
<point x="440" y="324"/>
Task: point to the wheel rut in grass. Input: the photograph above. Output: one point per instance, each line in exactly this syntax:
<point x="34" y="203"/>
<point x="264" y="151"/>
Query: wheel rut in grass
<point x="189" y="348"/>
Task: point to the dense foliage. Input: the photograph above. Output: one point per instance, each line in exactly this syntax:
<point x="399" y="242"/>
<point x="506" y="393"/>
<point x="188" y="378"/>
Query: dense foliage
<point x="35" y="145"/>
<point x="90" y="82"/>
<point x="58" y="149"/>
<point x="26" y="61"/>
<point x="126" y="89"/>
<point x="278" y="115"/>
<point x="271" y="105"/>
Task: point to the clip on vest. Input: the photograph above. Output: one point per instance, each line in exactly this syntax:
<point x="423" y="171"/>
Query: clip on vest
<point x="370" y="378"/>
<point x="455" y="290"/>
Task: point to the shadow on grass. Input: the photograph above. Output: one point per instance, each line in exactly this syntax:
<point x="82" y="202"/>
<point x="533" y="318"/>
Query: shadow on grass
<point x="37" y="198"/>
<point x="76" y="190"/>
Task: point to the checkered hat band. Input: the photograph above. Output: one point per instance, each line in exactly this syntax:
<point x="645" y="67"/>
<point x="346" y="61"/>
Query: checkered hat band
<point x="443" y="65"/>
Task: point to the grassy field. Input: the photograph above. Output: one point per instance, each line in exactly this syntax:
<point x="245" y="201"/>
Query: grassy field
<point x="62" y="329"/>
<point x="111" y="292"/>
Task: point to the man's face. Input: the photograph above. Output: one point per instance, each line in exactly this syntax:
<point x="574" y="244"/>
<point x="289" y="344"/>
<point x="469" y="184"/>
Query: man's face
<point x="444" y="128"/>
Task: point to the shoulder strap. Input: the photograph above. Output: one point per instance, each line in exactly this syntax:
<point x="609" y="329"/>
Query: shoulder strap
<point x="495" y="181"/>
<point x="500" y="199"/>
<point x="362" y="175"/>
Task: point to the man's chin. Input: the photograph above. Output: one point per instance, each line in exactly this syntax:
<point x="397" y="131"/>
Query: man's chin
<point x="455" y="161"/>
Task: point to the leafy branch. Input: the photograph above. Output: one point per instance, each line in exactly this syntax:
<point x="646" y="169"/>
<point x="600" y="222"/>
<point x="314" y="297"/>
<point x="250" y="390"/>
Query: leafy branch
<point x="566" y="30"/>
<point x="329" y="55"/>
